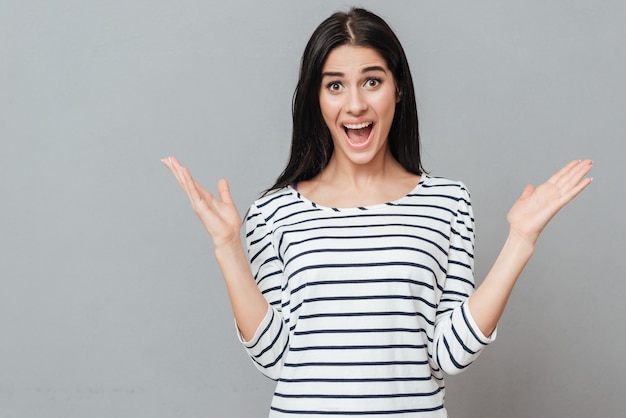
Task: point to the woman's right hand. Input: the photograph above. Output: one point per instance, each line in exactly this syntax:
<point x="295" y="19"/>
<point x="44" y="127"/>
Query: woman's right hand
<point x="220" y="217"/>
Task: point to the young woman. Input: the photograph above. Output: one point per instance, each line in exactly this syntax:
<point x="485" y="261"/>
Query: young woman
<point x="357" y="290"/>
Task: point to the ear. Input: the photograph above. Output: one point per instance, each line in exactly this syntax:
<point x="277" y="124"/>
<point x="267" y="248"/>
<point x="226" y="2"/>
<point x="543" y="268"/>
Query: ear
<point x="398" y="95"/>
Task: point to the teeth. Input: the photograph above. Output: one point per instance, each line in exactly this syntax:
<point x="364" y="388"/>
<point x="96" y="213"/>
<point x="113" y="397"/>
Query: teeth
<point x="357" y="125"/>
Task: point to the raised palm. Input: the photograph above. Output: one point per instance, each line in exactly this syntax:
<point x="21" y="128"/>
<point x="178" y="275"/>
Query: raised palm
<point x="220" y="217"/>
<point x="537" y="205"/>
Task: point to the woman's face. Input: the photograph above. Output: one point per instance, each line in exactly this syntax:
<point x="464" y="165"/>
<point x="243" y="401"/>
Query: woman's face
<point x="358" y="100"/>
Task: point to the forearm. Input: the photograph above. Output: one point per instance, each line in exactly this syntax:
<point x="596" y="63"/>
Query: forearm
<point x="488" y="302"/>
<point x="247" y="302"/>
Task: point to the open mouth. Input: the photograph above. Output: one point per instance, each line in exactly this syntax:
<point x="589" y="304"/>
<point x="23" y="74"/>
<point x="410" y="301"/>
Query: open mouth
<point x="358" y="133"/>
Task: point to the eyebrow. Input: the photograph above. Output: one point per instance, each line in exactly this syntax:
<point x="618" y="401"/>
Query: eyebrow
<point x="363" y="71"/>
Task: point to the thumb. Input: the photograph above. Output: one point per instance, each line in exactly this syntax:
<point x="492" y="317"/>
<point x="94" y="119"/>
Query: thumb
<point x="224" y="191"/>
<point x="527" y="191"/>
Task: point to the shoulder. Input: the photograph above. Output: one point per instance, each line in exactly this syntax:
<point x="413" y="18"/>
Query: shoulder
<point x="444" y="187"/>
<point x="273" y="197"/>
<point x="275" y="205"/>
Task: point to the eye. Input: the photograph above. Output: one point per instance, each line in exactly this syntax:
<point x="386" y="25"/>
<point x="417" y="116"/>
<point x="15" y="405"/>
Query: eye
<point x="333" y="86"/>
<point x="372" y="83"/>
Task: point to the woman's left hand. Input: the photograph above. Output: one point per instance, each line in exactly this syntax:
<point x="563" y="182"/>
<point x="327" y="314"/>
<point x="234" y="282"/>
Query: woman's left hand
<point x="537" y="205"/>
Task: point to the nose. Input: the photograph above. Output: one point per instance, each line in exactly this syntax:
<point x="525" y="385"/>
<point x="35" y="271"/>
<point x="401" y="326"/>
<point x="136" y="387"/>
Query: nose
<point x="356" y="102"/>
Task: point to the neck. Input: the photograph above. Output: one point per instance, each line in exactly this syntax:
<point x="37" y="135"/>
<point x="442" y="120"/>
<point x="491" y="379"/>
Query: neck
<point x="345" y="184"/>
<point x="362" y="176"/>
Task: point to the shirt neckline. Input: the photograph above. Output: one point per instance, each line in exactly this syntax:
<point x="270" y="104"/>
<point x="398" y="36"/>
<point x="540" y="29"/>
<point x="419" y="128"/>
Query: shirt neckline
<point x="304" y="199"/>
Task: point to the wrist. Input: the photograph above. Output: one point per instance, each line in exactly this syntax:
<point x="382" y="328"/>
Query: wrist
<point x="520" y="242"/>
<point x="228" y="249"/>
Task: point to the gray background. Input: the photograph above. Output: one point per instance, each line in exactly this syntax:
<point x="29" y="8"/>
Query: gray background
<point x="111" y="304"/>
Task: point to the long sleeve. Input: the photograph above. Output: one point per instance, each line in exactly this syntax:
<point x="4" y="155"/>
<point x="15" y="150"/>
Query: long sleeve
<point x="269" y="344"/>
<point x="458" y="340"/>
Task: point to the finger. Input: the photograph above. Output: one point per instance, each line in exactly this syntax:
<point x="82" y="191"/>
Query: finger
<point x="174" y="166"/>
<point x="171" y="162"/>
<point x="575" y="191"/>
<point x="564" y="170"/>
<point x="185" y="180"/>
<point x="194" y="191"/>
<point x="167" y="162"/>
<point x="224" y="191"/>
<point x="178" y="168"/>
<point x="528" y="190"/>
<point x="197" y="194"/>
<point x="202" y="201"/>
<point x="575" y="175"/>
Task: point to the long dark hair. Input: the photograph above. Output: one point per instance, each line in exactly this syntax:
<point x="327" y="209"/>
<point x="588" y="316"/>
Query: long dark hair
<point x="311" y="142"/>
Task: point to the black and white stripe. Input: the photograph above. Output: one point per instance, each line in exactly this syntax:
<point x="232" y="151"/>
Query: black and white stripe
<point x="367" y="305"/>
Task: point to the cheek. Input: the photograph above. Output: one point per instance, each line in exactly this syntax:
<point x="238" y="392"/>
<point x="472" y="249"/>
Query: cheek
<point x="329" y="111"/>
<point x="326" y="117"/>
<point x="388" y="109"/>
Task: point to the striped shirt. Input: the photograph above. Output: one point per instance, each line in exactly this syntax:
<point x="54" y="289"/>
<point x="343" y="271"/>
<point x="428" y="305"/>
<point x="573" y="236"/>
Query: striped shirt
<point x="367" y="305"/>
